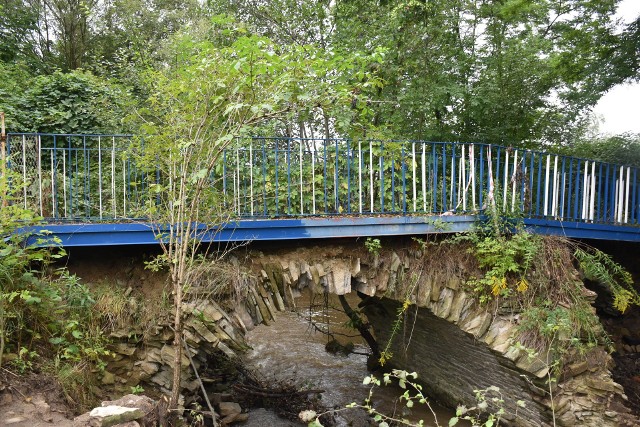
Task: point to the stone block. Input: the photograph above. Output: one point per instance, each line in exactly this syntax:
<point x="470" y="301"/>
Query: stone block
<point x="494" y="330"/>
<point x="167" y="354"/>
<point x="123" y="348"/>
<point x="228" y="408"/>
<point x="163" y="378"/>
<point x="112" y="415"/>
<point x="395" y="262"/>
<point x="315" y="275"/>
<point x="424" y="292"/>
<point x="604" y="384"/>
<point x="477" y="324"/>
<point x="366" y="288"/>
<point x="202" y="330"/>
<point x="210" y="311"/>
<point x="294" y="271"/>
<point x="192" y="339"/>
<point x="443" y="308"/>
<point x="355" y="267"/>
<point x="320" y="269"/>
<point x="436" y="286"/>
<point x="513" y="353"/>
<point x="453" y="282"/>
<point x="532" y="364"/>
<point x="457" y="305"/>
<point x="575" y="369"/>
<point x="108" y="378"/>
<point x="226" y="350"/>
<point x="148" y="368"/>
<point x="340" y="279"/>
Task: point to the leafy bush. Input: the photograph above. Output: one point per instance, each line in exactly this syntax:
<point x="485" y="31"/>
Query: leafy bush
<point x="74" y="102"/>
<point x="536" y="277"/>
<point x="47" y="317"/>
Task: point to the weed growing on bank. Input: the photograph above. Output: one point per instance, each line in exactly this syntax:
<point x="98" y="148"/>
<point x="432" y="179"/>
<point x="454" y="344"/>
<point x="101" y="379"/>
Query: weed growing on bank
<point x="488" y="411"/>
<point x="48" y="318"/>
<point x="538" y="279"/>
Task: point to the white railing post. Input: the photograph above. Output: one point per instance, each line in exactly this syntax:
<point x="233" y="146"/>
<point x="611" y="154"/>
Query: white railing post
<point x="546" y="185"/>
<point x="413" y="168"/>
<point x="592" y="193"/>
<point x="505" y="187"/>
<point x="513" y="181"/>
<point x="472" y="172"/>
<point x="39" y="160"/>
<point x="626" y="199"/>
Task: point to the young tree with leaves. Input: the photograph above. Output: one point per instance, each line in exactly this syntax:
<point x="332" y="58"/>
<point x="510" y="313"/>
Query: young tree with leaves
<point x="217" y="88"/>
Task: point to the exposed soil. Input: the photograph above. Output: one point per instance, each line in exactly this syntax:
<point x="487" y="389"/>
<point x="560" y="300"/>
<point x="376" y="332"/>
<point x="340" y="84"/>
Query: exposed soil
<point x="123" y="266"/>
<point x="33" y="400"/>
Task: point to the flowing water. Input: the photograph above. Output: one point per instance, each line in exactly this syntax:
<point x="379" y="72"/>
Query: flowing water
<point x="292" y="348"/>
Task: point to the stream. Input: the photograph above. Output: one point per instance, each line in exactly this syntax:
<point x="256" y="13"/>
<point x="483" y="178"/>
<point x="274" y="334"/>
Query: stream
<point x="292" y="348"/>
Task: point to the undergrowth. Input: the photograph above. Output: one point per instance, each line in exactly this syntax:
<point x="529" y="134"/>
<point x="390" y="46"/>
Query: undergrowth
<point x="536" y="278"/>
<point x="49" y="320"/>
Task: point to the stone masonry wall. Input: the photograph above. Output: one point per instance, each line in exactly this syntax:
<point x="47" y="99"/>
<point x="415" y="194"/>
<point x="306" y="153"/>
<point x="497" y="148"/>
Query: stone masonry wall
<point x="456" y="344"/>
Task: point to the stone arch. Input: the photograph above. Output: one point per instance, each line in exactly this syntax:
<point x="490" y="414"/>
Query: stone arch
<point x="476" y="339"/>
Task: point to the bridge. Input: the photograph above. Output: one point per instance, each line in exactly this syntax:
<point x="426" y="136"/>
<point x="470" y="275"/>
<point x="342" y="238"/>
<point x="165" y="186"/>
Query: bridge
<point x="91" y="192"/>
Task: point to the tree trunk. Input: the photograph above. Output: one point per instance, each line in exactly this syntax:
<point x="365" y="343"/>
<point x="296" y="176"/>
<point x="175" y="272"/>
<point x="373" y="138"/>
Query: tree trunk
<point x="362" y="328"/>
<point x="177" y="344"/>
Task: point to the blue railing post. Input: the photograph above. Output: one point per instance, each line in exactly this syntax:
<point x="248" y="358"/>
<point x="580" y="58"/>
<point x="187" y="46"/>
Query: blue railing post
<point x="578" y="190"/>
<point x="444" y="177"/>
<point x="633" y="201"/>
<point x="288" y="176"/>
<point x="349" y="153"/>
<point x="381" y="176"/>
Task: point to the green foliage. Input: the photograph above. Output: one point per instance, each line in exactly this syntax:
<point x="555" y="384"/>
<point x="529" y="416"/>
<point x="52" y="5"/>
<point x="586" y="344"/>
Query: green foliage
<point x="600" y="267"/>
<point x="505" y="253"/>
<point x="44" y="314"/>
<point x="503" y="61"/>
<point x="488" y="412"/>
<point x="75" y="102"/>
<point x="505" y="261"/>
<point x="17" y="22"/>
<point x="137" y="389"/>
<point x="621" y="149"/>
<point x="535" y="277"/>
<point x="373" y="246"/>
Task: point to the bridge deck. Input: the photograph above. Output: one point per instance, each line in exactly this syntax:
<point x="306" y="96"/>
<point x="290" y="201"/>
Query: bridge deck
<point x="108" y="234"/>
<point x="90" y="189"/>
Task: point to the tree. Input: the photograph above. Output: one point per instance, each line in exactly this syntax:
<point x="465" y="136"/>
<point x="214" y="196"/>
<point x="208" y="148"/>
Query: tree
<point x="623" y="149"/>
<point x="222" y="86"/>
<point x="75" y="102"/>
<point x="518" y="72"/>
<point x="16" y="24"/>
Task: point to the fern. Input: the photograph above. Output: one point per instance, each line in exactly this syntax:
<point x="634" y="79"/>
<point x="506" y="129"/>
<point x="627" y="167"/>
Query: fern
<point x="600" y="267"/>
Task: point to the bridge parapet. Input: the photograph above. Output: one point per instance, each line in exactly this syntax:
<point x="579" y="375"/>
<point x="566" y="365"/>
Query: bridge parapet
<point x="95" y="178"/>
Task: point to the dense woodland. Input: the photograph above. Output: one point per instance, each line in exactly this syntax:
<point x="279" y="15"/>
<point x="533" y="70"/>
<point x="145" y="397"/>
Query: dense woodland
<point x="517" y="72"/>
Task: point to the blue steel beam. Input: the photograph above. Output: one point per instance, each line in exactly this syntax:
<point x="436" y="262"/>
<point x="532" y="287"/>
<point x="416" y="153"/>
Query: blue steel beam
<point x="112" y="234"/>
<point x="100" y="234"/>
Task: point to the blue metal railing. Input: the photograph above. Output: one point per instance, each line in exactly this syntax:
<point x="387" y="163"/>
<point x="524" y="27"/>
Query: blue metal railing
<point x="93" y="178"/>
